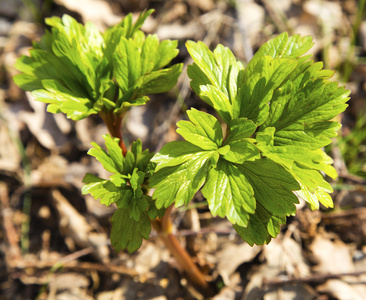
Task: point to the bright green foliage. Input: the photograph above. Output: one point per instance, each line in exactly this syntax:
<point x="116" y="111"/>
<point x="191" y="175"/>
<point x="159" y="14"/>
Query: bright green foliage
<point x="127" y="188"/>
<point x="128" y="233"/>
<point x="79" y="71"/>
<point x="277" y="111"/>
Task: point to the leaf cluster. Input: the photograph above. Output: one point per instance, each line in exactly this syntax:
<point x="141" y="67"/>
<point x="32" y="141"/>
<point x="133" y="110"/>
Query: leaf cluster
<point x="79" y="71"/>
<point x="276" y="114"/>
<point x="126" y="187"/>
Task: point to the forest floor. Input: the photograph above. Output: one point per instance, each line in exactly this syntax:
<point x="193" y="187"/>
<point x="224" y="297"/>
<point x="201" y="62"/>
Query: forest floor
<point x="54" y="242"/>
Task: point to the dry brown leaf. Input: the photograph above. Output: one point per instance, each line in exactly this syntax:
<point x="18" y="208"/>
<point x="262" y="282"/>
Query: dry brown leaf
<point x="332" y="257"/>
<point x="75" y="226"/>
<point x="42" y="124"/>
<point x="97" y="11"/>
<point x="285" y="255"/>
<point x="328" y="12"/>
<point x="232" y="256"/>
<point x="340" y="289"/>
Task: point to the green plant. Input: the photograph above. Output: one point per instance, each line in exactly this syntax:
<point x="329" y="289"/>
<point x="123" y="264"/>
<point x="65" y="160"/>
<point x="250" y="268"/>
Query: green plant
<point x="264" y="146"/>
<point x="353" y="147"/>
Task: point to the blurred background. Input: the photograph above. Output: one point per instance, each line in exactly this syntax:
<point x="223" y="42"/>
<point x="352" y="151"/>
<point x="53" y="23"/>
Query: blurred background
<point x="54" y="242"/>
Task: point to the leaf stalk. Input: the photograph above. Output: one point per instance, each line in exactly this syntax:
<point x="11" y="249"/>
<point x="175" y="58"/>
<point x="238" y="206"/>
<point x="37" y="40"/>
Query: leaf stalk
<point x="164" y="228"/>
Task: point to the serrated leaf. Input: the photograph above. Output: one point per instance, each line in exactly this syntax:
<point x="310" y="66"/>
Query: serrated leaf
<point x="304" y="164"/>
<point x="239" y="129"/>
<point x="105" y="190"/>
<point x="127" y="64"/>
<point x="314" y="197"/>
<point x="179" y="183"/>
<point x="138" y="70"/>
<point x="311" y="105"/>
<point x="67" y="68"/>
<point x="112" y="160"/>
<point x="218" y="100"/>
<point x="203" y="130"/>
<point x="43" y="65"/>
<point x="214" y="65"/>
<point x="152" y="211"/>
<point x="241" y="151"/>
<point x="273" y="186"/>
<point x="130" y="27"/>
<point x="136" y="203"/>
<point x="215" y="77"/>
<point x="255" y="232"/>
<point x="259" y="84"/>
<point x="174" y="153"/>
<point x="154" y="55"/>
<point x="126" y="28"/>
<point x="261" y="228"/>
<point x="142" y="158"/>
<point x="284" y="46"/>
<point x="127" y="233"/>
<point x="229" y="193"/>
<point x="160" y="81"/>
<point x="84" y="62"/>
<point x="60" y="99"/>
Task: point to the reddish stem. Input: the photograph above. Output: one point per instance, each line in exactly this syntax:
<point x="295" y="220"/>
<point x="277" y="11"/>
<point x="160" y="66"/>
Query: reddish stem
<point x="164" y="229"/>
<point x="113" y="124"/>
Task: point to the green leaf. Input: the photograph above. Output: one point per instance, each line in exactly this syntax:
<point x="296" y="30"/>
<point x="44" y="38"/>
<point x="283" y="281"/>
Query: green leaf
<point x="261" y="228"/>
<point x="215" y="77"/>
<point x="284" y="46"/>
<point x="239" y="129"/>
<point x="174" y="153"/>
<point x="126" y="185"/>
<point x="229" y="193"/>
<point x="127" y="62"/>
<point x="241" y="151"/>
<point x="159" y="81"/>
<point x="112" y="160"/>
<point x="311" y="105"/>
<point x="152" y="211"/>
<point x="304" y="165"/>
<point x="67" y="68"/>
<point x="273" y="186"/>
<point x="278" y="113"/>
<point x="130" y="27"/>
<point x="155" y="55"/>
<point x="179" y="183"/>
<point x="127" y="233"/>
<point x="141" y="158"/>
<point x="126" y="28"/>
<point x="218" y="100"/>
<point x="77" y="70"/>
<point x="203" y="130"/>
<point x="214" y="67"/>
<point x="105" y="190"/>
<point x="137" y="69"/>
<point x="60" y="99"/>
<point x="260" y="82"/>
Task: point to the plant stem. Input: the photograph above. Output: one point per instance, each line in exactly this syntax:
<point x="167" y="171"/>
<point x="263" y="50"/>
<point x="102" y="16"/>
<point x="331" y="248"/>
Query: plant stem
<point x="113" y="123"/>
<point x="164" y="229"/>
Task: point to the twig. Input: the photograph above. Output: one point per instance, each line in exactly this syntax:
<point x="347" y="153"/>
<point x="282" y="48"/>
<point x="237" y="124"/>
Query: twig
<point x="359" y="211"/>
<point x="314" y="278"/>
<point x="72" y="266"/>
<point x="188" y="232"/>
